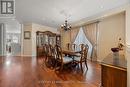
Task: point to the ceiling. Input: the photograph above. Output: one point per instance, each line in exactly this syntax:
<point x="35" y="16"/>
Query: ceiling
<point x="54" y="12"/>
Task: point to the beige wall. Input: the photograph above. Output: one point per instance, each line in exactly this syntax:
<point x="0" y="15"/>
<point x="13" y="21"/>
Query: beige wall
<point x="65" y="38"/>
<point x="110" y="29"/>
<point x="128" y="44"/>
<point x="35" y="28"/>
<point x="29" y="45"/>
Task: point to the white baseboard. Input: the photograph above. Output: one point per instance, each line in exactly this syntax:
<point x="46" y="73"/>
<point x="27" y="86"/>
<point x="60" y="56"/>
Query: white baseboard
<point x="27" y="55"/>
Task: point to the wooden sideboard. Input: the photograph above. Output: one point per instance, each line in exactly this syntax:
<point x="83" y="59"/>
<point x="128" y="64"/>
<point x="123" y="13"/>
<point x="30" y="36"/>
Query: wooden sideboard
<point x="114" y="71"/>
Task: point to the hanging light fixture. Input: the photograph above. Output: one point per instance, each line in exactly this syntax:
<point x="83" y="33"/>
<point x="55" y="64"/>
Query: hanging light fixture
<point x="66" y="26"/>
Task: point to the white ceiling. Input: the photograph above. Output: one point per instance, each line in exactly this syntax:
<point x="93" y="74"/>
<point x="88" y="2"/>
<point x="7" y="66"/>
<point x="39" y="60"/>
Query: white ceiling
<point x="53" y="12"/>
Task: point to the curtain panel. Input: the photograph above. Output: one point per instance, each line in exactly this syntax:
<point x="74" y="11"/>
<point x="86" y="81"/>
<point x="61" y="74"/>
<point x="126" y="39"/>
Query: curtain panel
<point x="74" y="33"/>
<point x="69" y="36"/>
<point x="91" y="33"/>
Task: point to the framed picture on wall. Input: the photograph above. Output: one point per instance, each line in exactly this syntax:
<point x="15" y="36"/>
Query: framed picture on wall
<point x="27" y="35"/>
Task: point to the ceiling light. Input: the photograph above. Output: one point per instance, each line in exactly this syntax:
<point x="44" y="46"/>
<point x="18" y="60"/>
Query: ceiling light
<point x="66" y="26"/>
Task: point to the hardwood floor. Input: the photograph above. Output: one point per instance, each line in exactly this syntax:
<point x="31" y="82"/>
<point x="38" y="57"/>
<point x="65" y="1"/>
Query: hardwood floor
<point x="32" y="72"/>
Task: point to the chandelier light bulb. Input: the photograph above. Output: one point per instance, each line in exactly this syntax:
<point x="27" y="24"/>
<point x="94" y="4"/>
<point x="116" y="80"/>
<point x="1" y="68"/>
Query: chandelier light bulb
<point x="66" y="26"/>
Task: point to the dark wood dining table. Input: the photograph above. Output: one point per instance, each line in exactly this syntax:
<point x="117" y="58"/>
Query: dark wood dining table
<point x="70" y="52"/>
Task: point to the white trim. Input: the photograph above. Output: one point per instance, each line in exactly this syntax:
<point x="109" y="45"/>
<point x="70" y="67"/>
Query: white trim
<point x="28" y="56"/>
<point x="22" y="36"/>
<point x="2" y="40"/>
<point x="128" y="48"/>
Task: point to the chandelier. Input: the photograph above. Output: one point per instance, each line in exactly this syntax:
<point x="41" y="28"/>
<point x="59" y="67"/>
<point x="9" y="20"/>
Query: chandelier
<point x="66" y="26"/>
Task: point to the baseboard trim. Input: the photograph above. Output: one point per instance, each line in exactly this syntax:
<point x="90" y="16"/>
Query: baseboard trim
<point x="28" y="55"/>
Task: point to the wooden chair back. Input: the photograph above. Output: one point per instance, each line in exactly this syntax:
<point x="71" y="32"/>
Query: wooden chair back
<point x="84" y="52"/>
<point x="50" y="50"/>
<point x="68" y="46"/>
<point x="81" y="46"/>
<point x="74" y="46"/>
<point x="46" y="48"/>
<point x="58" y="53"/>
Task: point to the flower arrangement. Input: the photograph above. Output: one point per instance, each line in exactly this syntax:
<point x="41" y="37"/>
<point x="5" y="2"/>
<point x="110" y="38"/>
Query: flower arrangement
<point x="119" y="47"/>
<point x="120" y="44"/>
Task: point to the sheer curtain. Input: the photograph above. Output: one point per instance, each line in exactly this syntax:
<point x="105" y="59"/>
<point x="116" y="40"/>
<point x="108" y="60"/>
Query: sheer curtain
<point x="81" y="39"/>
<point x="91" y="33"/>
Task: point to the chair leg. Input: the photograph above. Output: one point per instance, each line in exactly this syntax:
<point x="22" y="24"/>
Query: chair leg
<point x="78" y="65"/>
<point x="86" y="65"/>
<point x="61" y="68"/>
<point x="46" y="60"/>
<point x="55" y="66"/>
<point x="53" y="63"/>
<point x="81" y="67"/>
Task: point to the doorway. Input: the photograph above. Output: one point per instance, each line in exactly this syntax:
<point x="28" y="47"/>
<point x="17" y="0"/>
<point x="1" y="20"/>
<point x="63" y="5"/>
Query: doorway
<point x="13" y="44"/>
<point x="10" y="37"/>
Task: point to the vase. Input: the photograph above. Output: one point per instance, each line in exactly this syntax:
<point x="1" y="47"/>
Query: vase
<point x="116" y="57"/>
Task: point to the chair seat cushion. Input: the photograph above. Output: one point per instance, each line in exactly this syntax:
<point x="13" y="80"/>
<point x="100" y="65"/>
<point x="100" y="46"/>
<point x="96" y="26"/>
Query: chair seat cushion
<point x="77" y="58"/>
<point x="67" y="59"/>
<point x="78" y="55"/>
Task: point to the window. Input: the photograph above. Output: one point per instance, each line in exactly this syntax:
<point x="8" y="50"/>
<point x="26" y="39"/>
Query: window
<point x="7" y="7"/>
<point x="82" y="39"/>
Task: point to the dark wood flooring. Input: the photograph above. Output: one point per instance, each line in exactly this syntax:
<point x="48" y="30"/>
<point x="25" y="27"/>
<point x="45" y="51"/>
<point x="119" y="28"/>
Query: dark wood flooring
<point x="32" y="72"/>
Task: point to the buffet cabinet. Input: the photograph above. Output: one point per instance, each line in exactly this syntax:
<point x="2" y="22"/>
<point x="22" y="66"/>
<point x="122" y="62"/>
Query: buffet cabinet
<point x="48" y="38"/>
<point x="113" y="71"/>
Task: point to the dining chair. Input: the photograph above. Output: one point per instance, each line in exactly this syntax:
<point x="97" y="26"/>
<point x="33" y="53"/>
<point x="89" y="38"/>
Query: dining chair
<point x="60" y="59"/>
<point x="81" y="46"/>
<point x="74" y="46"/>
<point x="50" y="50"/>
<point x="45" y="50"/>
<point x="83" y="58"/>
<point x="50" y="60"/>
<point x="68" y="46"/>
<point x="46" y="53"/>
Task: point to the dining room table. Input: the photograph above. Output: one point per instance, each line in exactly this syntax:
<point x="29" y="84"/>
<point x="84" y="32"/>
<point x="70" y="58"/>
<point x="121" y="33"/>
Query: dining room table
<point x="72" y="54"/>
